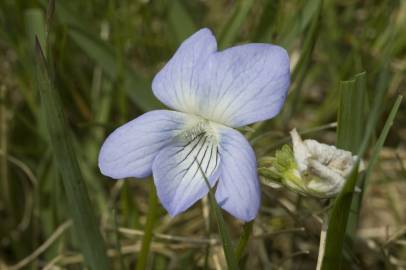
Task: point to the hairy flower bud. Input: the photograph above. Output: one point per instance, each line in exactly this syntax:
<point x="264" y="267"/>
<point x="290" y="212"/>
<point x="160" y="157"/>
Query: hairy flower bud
<point x="311" y="168"/>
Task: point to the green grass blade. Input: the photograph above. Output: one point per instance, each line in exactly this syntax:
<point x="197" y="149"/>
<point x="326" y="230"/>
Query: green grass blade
<point x="369" y="131"/>
<point x="375" y="112"/>
<point x="149" y="228"/>
<point x="309" y="44"/>
<point x="266" y="26"/>
<point x="180" y="21"/>
<point x="339" y="220"/>
<point x="296" y="25"/>
<point x="96" y="49"/>
<point x="382" y="137"/>
<point x="299" y="72"/>
<point x="342" y="205"/>
<point x="247" y="231"/>
<point x="338" y="223"/>
<point x="85" y="224"/>
<point x="231" y="258"/>
<point x="138" y="88"/>
<point x="225" y="235"/>
<point x="344" y="118"/>
<point x="117" y="239"/>
<point x="350" y="126"/>
<point x="35" y="26"/>
<point x="233" y="26"/>
<point x="373" y="117"/>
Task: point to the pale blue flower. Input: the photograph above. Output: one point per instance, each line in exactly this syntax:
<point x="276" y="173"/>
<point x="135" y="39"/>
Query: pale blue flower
<point x="213" y="92"/>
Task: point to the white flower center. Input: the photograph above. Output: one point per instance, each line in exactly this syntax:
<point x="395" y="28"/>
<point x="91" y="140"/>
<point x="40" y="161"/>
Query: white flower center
<point x="197" y="147"/>
<point x="198" y="127"/>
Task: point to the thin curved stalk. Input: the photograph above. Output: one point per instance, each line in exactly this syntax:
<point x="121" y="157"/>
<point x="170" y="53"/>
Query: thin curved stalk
<point x="247" y="232"/>
<point x="149" y="228"/>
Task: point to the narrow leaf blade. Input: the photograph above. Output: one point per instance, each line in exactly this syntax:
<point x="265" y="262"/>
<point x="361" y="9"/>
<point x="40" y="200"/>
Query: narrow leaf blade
<point x="233" y="26"/>
<point x="180" y="21"/>
<point x="85" y="224"/>
<point x="231" y="258"/>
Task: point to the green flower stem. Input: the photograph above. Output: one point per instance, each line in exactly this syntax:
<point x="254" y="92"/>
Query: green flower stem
<point x="149" y="228"/>
<point x="247" y="231"/>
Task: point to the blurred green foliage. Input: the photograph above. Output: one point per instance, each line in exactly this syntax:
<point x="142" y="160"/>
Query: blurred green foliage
<point x="105" y="54"/>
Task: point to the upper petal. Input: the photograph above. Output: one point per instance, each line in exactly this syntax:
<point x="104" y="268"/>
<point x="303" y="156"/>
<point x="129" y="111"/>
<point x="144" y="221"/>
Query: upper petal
<point x="238" y="86"/>
<point x="129" y="151"/>
<point x="244" y="84"/>
<point x="177" y="176"/>
<point x="176" y="84"/>
<point x="238" y="188"/>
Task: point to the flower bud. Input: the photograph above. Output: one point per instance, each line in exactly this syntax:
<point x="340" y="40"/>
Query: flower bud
<point x="311" y="168"/>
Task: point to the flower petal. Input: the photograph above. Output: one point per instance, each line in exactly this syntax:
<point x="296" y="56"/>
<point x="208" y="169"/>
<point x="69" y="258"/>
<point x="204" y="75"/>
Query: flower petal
<point x="236" y="87"/>
<point x="300" y="150"/>
<point x="244" y="84"/>
<point x="177" y="176"/>
<point x="238" y="188"/>
<point x="176" y="84"/>
<point x="129" y="151"/>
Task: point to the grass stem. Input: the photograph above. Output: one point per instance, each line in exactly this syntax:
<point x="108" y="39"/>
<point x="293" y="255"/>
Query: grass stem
<point x="149" y="228"/>
<point x="231" y="259"/>
<point x="247" y="232"/>
<point x="3" y="148"/>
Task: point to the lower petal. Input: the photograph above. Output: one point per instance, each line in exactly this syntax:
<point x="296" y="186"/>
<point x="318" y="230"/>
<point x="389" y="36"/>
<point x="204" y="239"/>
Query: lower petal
<point x="178" y="172"/>
<point x="130" y="150"/>
<point x="238" y="189"/>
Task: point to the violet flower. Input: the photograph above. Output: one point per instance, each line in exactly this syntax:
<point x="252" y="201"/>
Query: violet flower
<point x="212" y="92"/>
